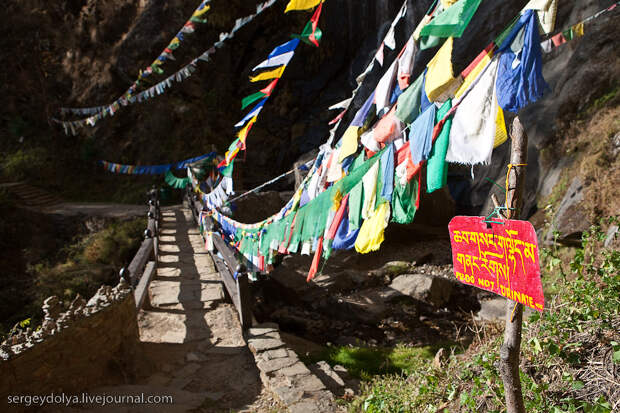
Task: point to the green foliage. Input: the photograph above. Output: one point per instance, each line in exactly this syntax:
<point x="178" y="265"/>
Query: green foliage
<point x="556" y="349"/>
<point x="23" y="164"/>
<point x="86" y="264"/>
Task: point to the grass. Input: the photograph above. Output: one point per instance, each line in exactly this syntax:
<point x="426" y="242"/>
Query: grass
<point x="366" y="362"/>
<point x="567" y="352"/>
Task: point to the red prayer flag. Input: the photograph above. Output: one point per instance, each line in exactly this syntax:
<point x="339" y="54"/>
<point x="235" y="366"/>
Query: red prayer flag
<point x="558" y="39"/>
<point x="315" y="23"/>
<point x="269" y="89"/>
<point x="315" y="261"/>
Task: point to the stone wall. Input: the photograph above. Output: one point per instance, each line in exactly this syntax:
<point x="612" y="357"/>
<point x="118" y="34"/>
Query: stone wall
<point x="92" y="344"/>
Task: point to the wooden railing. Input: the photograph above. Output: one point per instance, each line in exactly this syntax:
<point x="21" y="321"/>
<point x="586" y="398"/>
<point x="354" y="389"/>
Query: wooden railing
<point x="229" y="263"/>
<point x="143" y="266"/>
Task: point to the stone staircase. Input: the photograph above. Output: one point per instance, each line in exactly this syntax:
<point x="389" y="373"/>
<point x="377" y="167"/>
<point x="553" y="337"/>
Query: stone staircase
<point x="300" y="388"/>
<point x="33" y="197"/>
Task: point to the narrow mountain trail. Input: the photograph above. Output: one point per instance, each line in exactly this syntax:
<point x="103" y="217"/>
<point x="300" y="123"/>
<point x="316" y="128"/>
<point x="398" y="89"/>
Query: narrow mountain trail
<point x="192" y="344"/>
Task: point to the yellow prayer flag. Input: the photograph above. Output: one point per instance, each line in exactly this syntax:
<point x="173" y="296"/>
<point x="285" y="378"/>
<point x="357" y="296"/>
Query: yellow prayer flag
<point x="440" y="77"/>
<point x="270" y="74"/>
<point x="500" y="128"/>
<point x="301" y="5"/>
<point x="199" y="13"/>
<point x="469" y="79"/>
<point x="243" y="133"/>
<point x="578" y="29"/>
<point x="349" y="142"/>
<point x="371" y="236"/>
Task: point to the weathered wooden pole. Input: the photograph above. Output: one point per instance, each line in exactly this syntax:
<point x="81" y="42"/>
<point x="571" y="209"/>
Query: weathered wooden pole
<point x="509" y="352"/>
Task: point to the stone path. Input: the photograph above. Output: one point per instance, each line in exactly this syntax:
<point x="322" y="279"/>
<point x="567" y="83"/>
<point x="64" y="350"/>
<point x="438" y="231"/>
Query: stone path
<point x="192" y="337"/>
<point x="193" y="348"/>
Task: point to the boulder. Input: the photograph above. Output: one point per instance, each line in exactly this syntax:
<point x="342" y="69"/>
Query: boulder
<point x="423" y="287"/>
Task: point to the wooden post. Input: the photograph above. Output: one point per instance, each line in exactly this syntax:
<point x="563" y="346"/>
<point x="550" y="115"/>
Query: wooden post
<point x="509" y="352"/>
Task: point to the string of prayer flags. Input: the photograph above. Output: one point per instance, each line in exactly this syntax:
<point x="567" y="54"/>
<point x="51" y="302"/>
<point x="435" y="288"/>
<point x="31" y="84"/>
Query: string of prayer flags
<point x="355" y="209"/>
<point x="130" y="97"/>
<point x="188" y="28"/>
<point x="152" y="169"/>
<point x="302" y="5"/>
<point x="519" y="78"/>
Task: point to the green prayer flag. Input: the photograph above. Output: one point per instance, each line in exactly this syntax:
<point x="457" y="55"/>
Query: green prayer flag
<point x="197" y="20"/>
<point x="408" y="104"/>
<point x="307" y="32"/>
<point x="568" y="34"/>
<point x="436" y="167"/>
<point x="175" y="182"/>
<point x="403" y="202"/>
<point x="428" y="42"/>
<point x="453" y="21"/>
<point x="356" y="197"/>
<point x="502" y="36"/>
<point x="228" y="170"/>
<point x="248" y="100"/>
<point x="359" y="161"/>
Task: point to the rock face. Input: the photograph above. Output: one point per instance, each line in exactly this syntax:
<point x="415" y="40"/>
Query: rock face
<point x="434" y="290"/>
<point x="570" y="219"/>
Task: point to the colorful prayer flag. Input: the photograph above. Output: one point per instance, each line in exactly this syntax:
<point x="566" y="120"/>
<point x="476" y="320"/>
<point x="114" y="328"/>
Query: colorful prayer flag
<point x="301" y="5"/>
<point x="270" y="74"/>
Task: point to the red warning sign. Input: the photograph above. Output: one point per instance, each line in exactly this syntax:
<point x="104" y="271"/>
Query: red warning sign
<point x="501" y="257"/>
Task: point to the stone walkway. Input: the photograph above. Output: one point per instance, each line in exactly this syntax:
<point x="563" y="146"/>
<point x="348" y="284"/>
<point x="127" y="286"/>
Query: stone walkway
<point x="192" y="343"/>
<point x="191" y="336"/>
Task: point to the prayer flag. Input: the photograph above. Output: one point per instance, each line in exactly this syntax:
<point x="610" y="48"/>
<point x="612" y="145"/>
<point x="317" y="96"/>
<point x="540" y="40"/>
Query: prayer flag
<point x="301" y="5"/>
<point x="269" y="89"/>
<point x="311" y="34"/>
<point x="520" y="81"/>
<point x="453" y="21"/>
<point x="270" y="74"/>
<point x="278" y="60"/>
<point x="248" y="100"/>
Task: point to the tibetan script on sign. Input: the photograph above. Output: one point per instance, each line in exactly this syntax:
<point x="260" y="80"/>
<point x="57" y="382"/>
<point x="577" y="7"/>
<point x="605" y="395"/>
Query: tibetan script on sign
<point x="501" y="257"/>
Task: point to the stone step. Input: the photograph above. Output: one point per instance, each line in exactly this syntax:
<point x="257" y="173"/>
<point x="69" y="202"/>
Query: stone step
<point x="285" y="375"/>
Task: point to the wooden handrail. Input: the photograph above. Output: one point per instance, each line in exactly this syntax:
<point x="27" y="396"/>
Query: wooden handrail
<point x="143" y="266"/>
<point x="232" y="271"/>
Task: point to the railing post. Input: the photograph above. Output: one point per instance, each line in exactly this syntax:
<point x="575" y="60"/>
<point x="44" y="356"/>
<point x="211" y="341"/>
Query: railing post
<point x="245" y="301"/>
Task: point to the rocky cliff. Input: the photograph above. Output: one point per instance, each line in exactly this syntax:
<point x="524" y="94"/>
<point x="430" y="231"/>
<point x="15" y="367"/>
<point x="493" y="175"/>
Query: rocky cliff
<point x="71" y="53"/>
